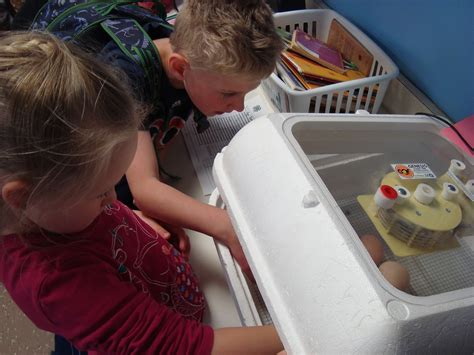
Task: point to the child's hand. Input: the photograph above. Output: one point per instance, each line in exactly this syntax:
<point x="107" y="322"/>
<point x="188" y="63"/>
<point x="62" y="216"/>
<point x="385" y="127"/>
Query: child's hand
<point x="230" y="239"/>
<point x="179" y="239"/>
<point x="175" y="235"/>
<point x="162" y="232"/>
<point x="238" y="254"/>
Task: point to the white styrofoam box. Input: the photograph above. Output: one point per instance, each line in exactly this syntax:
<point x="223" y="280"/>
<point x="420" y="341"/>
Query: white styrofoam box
<point x="345" y="97"/>
<point x="250" y="306"/>
<point x="284" y="179"/>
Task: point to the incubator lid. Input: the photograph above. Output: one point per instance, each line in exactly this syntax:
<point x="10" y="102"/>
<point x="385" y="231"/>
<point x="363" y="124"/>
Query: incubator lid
<point x="302" y="189"/>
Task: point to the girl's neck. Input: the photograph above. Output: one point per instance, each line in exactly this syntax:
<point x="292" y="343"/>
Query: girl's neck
<point x="6" y="226"/>
<point x="18" y="228"/>
<point x="163" y="46"/>
<point x="6" y="231"/>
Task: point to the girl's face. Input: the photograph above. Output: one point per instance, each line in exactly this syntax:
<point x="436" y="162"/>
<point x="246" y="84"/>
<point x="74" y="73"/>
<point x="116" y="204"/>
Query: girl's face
<point x="214" y="94"/>
<point x="64" y="217"/>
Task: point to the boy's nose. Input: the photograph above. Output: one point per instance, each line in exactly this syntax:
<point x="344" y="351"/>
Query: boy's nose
<point x="237" y="105"/>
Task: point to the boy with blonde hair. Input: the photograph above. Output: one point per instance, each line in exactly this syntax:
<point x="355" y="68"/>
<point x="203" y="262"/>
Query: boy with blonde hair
<point x="218" y="52"/>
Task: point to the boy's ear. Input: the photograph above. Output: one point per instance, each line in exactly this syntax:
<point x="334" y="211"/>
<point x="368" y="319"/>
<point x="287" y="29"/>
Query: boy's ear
<point x="177" y="65"/>
<point x="15" y="193"/>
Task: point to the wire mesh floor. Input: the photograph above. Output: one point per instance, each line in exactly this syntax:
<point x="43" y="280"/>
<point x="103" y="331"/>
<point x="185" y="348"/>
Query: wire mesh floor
<point x="260" y="304"/>
<point x="430" y="274"/>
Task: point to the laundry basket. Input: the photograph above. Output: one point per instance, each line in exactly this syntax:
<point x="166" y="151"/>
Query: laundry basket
<point x="344" y="97"/>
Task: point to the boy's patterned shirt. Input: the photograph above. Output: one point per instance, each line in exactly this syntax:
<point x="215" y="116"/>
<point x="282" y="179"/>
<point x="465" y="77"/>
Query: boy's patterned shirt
<point x="173" y="107"/>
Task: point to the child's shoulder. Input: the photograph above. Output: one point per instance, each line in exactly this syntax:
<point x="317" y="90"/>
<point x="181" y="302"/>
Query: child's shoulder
<point x="38" y="279"/>
<point x="31" y="259"/>
<point x="43" y="253"/>
<point x="25" y="266"/>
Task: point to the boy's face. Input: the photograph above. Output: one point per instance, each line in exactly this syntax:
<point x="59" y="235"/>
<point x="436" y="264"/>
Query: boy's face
<point x="214" y="94"/>
<point x="67" y="216"/>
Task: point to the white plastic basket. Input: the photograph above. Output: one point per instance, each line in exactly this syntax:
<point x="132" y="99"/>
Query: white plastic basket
<point x="344" y="97"/>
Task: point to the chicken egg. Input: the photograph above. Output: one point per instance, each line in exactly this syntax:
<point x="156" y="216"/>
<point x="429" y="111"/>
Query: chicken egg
<point x="396" y="274"/>
<point x="374" y="247"/>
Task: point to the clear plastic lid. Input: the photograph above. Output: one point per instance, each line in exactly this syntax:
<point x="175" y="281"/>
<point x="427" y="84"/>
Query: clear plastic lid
<point x="407" y="192"/>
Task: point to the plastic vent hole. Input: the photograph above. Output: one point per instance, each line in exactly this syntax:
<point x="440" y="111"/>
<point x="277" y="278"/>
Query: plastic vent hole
<point x="402" y="191"/>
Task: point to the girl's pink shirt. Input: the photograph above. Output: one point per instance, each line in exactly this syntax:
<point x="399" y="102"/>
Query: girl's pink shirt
<point x="116" y="287"/>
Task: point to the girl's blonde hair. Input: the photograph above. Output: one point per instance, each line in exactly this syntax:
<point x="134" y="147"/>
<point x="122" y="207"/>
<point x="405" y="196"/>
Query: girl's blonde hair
<point x="228" y="37"/>
<point x="62" y="114"/>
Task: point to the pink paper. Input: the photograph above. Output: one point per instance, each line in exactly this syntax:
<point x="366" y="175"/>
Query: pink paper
<point x="318" y="49"/>
<point x="466" y="128"/>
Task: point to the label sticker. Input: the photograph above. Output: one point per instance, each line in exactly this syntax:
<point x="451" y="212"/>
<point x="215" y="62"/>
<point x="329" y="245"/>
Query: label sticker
<point x="413" y="171"/>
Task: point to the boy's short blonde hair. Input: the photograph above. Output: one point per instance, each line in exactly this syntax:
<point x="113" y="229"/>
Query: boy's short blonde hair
<point x="228" y="37"/>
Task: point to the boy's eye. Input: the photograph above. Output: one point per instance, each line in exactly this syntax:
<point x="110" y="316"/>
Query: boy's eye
<point x="228" y="94"/>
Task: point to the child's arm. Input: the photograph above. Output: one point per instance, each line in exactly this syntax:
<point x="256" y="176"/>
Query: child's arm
<point x="249" y="340"/>
<point x="175" y="235"/>
<point x="87" y="303"/>
<point x="161" y="201"/>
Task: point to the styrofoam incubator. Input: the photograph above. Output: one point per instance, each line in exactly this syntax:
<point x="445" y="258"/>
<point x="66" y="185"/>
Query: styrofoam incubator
<point x="359" y="230"/>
